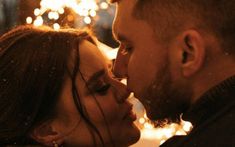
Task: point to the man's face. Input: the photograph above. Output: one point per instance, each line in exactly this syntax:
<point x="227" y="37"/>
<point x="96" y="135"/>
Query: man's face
<point x="144" y="60"/>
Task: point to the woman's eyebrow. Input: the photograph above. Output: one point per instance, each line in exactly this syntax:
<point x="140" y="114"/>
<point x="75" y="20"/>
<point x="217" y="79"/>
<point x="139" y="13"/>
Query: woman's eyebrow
<point x="96" y="76"/>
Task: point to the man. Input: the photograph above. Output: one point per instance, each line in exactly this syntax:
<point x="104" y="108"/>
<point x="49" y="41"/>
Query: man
<point x="178" y="57"/>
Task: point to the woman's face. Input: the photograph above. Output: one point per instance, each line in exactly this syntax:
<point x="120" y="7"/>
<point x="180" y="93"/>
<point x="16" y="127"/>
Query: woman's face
<point x="104" y="100"/>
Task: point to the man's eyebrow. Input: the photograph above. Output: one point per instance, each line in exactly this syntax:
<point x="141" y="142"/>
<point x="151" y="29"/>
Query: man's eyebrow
<point x="95" y="76"/>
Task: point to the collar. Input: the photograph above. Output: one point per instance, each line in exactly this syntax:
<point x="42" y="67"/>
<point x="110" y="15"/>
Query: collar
<point x="212" y="102"/>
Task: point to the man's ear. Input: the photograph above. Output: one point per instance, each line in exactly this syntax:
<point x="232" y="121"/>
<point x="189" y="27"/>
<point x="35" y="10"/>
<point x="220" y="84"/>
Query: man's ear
<point x="46" y="134"/>
<point x="193" y="52"/>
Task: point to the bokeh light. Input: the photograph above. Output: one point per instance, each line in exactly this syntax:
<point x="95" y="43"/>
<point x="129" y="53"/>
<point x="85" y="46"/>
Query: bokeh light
<point x="54" y="8"/>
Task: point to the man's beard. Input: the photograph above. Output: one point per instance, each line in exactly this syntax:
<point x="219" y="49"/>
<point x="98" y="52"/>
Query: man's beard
<point x="166" y="100"/>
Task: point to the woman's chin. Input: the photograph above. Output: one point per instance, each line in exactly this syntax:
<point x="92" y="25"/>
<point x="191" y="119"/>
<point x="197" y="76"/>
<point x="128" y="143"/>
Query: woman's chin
<point x="131" y="137"/>
<point x="136" y="136"/>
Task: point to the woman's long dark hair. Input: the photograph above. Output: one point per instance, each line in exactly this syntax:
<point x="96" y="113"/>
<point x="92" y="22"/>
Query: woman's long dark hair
<point x="33" y="65"/>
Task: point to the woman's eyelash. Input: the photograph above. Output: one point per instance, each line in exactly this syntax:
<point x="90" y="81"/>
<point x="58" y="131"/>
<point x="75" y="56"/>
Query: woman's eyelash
<point x="126" y="49"/>
<point x="102" y="90"/>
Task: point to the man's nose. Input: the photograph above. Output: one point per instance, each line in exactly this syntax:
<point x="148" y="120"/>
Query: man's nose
<point x="120" y="65"/>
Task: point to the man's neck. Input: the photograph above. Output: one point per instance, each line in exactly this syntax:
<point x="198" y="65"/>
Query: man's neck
<point x="212" y="76"/>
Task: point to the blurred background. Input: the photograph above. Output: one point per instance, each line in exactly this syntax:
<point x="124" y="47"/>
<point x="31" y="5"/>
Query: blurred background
<point x="97" y="15"/>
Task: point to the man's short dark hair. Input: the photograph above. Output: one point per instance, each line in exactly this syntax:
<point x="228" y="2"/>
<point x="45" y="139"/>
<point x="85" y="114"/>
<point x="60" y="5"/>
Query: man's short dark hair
<point x="167" y="17"/>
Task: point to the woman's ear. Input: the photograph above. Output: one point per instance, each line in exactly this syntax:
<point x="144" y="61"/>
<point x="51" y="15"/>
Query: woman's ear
<point x="46" y="134"/>
<point x="193" y="52"/>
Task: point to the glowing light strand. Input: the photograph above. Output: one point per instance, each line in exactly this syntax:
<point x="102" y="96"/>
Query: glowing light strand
<point x="162" y="134"/>
<point x="54" y="8"/>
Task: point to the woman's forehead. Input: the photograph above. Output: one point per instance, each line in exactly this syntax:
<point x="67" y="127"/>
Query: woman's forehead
<point x="91" y="59"/>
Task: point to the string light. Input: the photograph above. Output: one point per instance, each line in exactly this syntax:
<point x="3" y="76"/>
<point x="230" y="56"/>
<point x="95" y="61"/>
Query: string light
<point x="61" y="10"/>
<point x="37" y="12"/>
<point x="141" y="120"/>
<point x="162" y="134"/>
<point x="87" y="20"/>
<point x="92" y="13"/>
<point x="104" y="5"/>
<point x="187" y="126"/>
<point x="29" y="20"/>
<point x="56" y="26"/>
<point x="38" y="21"/>
<point x="54" y="8"/>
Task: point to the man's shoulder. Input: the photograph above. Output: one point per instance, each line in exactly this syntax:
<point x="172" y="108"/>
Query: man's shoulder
<point x="219" y="132"/>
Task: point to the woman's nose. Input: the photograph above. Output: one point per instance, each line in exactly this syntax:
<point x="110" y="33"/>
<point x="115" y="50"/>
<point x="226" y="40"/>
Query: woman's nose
<point x="121" y="92"/>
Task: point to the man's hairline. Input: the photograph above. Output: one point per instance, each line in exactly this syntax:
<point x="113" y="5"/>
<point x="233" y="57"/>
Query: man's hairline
<point x="119" y="37"/>
<point x="150" y="23"/>
<point x="113" y="1"/>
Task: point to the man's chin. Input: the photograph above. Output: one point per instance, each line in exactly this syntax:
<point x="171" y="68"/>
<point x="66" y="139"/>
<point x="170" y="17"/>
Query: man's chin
<point x="159" y="120"/>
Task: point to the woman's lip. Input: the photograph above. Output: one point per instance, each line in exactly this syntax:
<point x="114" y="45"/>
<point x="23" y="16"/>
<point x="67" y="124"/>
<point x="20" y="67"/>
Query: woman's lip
<point x="130" y="115"/>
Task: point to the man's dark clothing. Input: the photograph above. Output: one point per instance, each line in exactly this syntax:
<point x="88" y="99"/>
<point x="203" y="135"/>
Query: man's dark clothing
<point x="213" y="118"/>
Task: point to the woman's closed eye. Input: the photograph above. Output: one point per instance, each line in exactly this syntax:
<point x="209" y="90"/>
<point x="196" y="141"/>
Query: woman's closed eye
<point x="126" y="49"/>
<point x="101" y="88"/>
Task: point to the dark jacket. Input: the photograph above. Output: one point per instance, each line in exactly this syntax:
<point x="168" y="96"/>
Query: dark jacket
<point x="213" y="118"/>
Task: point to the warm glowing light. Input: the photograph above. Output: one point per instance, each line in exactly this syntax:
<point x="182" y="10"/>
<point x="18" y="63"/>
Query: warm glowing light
<point x="180" y="132"/>
<point x="56" y="15"/>
<point x="148" y="126"/>
<point x="53" y="15"/>
<point x="85" y="13"/>
<point x="61" y="10"/>
<point x="88" y="4"/>
<point x="50" y="15"/>
<point x="112" y="54"/>
<point x="108" y="51"/>
<point x="187" y="126"/>
<point x="56" y="26"/>
<point x="158" y="134"/>
<point x="53" y="5"/>
<point x="37" y="12"/>
<point x="162" y="141"/>
<point x="29" y="20"/>
<point x="104" y="5"/>
<point x="87" y="20"/>
<point x="93" y="13"/>
<point x="124" y="82"/>
<point x="168" y="132"/>
<point x="54" y="8"/>
<point x="148" y="132"/>
<point x="145" y="116"/>
<point x="70" y="18"/>
<point x="38" y="21"/>
<point x="141" y="120"/>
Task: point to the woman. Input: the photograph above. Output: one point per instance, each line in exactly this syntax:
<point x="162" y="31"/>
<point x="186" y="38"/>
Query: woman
<point x="56" y="90"/>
